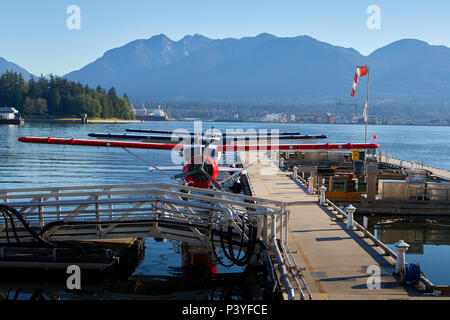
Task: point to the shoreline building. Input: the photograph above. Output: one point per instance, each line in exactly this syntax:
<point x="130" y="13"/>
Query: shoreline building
<point x="10" y="116"/>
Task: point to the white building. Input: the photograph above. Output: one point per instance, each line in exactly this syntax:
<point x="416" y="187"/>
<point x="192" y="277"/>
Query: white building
<point x="8" y="113"/>
<point x="274" y="117"/>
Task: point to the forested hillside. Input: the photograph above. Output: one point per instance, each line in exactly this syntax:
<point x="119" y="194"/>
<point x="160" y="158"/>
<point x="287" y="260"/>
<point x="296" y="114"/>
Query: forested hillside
<point x="55" y="96"/>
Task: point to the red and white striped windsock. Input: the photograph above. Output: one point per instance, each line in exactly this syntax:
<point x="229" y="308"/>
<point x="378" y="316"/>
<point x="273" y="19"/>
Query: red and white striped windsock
<point x="360" y="71"/>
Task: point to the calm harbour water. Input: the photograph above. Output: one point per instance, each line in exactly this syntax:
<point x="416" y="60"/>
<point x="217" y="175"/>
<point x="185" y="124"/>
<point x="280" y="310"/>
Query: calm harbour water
<point x="30" y="165"/>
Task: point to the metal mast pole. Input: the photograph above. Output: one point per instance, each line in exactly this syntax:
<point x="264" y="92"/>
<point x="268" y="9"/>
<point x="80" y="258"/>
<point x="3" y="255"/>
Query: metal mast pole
<point x="366" y="113"/>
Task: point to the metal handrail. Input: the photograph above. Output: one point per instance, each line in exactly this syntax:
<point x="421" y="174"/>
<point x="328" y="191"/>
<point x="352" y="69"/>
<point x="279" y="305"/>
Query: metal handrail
<point x="365" y="231"/>
<point x="425" y="281"/>
<point x="446" y="196"/>
<point x="135" y="204"/>
<point x="299" y="273"/>
<point x="58" y="191"/>
<point x="402" y="163"/>
<point x="282" y="267"/>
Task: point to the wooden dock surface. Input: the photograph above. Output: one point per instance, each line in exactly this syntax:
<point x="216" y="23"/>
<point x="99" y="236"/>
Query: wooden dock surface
<point x="335" y="259"/>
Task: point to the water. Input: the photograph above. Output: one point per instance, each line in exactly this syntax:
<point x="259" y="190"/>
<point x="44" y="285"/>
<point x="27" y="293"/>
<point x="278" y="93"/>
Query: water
<point x="35" y="165"/>
<point x="429" y="245"/>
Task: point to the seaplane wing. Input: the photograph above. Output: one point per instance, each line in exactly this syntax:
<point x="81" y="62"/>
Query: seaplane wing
<point x="200" y="175"/>
<point x="220" y="148"/>
<point x="100" y="143"/>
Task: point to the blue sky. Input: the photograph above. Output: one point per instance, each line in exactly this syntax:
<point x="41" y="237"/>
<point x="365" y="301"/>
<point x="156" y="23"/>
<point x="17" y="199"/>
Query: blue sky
<point x="34" y="33"/>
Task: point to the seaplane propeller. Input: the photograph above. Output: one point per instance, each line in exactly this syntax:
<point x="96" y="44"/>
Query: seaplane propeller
<point x="201" y="174"/>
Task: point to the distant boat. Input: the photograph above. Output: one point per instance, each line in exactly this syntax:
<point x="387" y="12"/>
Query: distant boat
<point x="10" y="116"/>
<point x="155" y="115"/>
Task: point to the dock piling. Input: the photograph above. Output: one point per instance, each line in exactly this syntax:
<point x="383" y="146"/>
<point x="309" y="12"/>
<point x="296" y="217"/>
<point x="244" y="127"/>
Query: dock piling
<point x="401" y="247"/>
<point x="322" y="190"/>
<point x="350" y="211"/>
<point x="310" y="185"/>
<point x="365" y="225"/>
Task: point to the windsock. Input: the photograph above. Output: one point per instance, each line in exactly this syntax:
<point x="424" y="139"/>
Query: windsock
<point x="360" y="71"/>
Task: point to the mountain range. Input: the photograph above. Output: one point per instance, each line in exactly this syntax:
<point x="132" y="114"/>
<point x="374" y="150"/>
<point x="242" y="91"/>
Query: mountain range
<point x="6" y="65"/>
<point x="267" y="67"/>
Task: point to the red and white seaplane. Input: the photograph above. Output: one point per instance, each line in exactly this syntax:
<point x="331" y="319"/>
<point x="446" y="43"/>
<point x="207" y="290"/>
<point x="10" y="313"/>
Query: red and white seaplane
<point x="200" y="160"/>
<point x="200" y="169"/>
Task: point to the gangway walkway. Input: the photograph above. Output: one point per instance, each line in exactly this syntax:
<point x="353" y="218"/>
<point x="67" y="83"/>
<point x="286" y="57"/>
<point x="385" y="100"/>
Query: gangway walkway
<point x="162" y="210"/>
<point x="336" y="261"/>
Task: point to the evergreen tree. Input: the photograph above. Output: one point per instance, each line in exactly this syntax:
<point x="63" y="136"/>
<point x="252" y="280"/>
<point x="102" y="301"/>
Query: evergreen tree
<point x="13" y="90"/>
<point x="34" y="91"/>
<point x="112" y="92"/>
<point x="57" y="96"/>
<point x="100" y="90"/>
<point x="54" y="101"/>
<point x="107" y="107"/>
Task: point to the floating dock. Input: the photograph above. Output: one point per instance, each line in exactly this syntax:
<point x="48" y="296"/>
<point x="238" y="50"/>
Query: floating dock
<point x="48" y="228"/>
<point x="335" y="260"/>
<point x="305" y="248"/>
<point x="375" y="183"/>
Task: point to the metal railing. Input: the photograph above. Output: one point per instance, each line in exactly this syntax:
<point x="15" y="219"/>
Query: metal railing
<point x="305" y="184"/>
<point x="363" y="229"/>
<point x="159" y="210"/>
<point x="440" y="173"/>
<point x="441" y="193"/>
<point x="288" y="267"/>
<point x="387" y="251"/>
